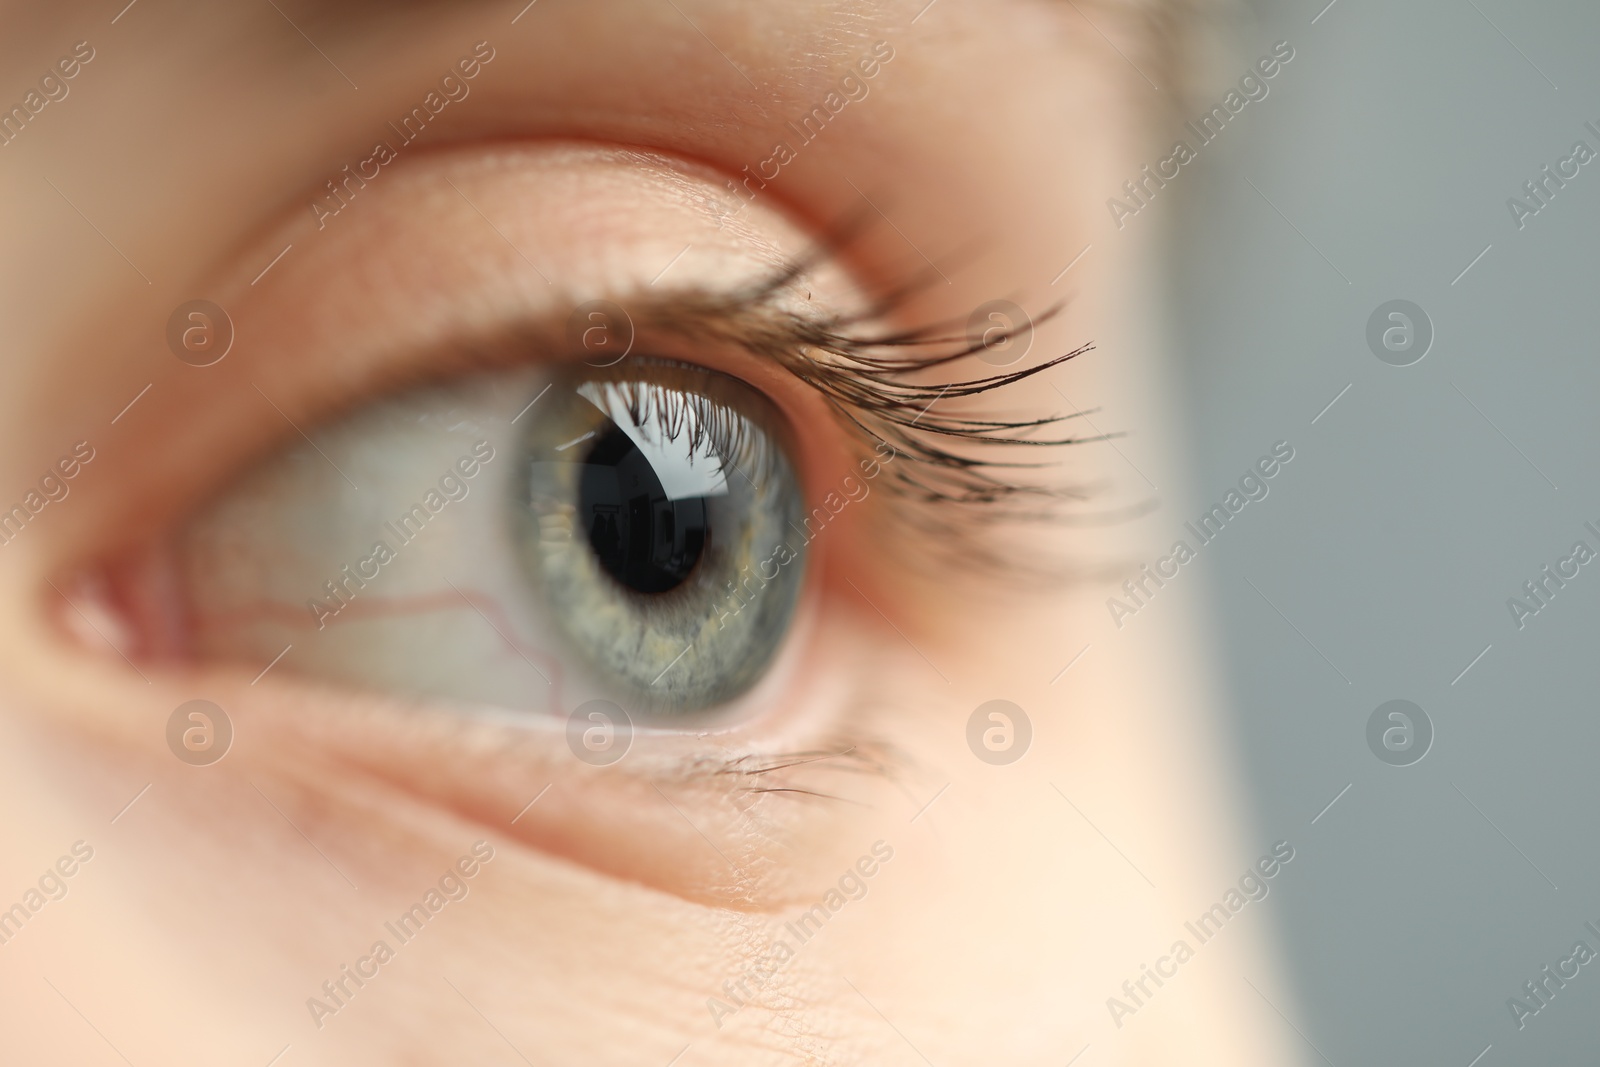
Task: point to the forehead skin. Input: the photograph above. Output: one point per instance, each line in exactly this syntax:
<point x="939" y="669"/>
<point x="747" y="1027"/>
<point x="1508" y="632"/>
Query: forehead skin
<point x="198" y="132"/>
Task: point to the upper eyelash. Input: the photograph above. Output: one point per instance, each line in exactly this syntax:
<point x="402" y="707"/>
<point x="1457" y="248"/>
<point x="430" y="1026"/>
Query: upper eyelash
<point x="875" y="381"/>
<point x="870" y="385"/>
<point x="871" y="381"/>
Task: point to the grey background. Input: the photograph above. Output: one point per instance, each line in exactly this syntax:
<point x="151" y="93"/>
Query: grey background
<point x="1427" y="894"/>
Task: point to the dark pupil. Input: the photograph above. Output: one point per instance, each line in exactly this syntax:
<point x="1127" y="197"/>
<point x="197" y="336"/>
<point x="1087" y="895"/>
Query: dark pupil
<point x="645" y="541"/>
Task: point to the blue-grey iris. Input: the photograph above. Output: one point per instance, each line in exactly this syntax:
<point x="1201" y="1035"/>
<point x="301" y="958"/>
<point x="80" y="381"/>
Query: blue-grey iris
<point x="662" y="524"/>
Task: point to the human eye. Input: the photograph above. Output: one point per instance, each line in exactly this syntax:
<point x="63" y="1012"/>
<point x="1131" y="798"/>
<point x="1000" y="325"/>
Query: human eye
<point x="526" y="540"/>
<point x="459" y="540"/>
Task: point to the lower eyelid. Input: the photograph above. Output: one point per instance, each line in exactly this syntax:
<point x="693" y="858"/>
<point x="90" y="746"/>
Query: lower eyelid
<point x="648" y="820"/>
<point x="687" y="814"/>
<point x="680" y="813"/>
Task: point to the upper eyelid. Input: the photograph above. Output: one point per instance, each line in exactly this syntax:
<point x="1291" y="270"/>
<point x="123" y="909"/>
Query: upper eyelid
<point x="866" y="378"/>
<point x="696" y="316"/>
<point x="761" y="326"/>
<point x="766" y="322"/>
<point x="695" y="325"/>
<point x="871" y="375"/>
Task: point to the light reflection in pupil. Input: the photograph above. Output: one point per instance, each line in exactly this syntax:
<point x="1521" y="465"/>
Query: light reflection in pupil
<point x="642" y="538"/>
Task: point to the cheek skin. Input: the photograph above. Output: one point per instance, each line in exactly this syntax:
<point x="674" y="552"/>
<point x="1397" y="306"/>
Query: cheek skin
<point x="392" y="849"/>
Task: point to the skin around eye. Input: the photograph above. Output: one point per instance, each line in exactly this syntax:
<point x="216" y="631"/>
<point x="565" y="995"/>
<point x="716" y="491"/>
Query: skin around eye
<point x="432" y="321"/>
<point x="631" y="912"/>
